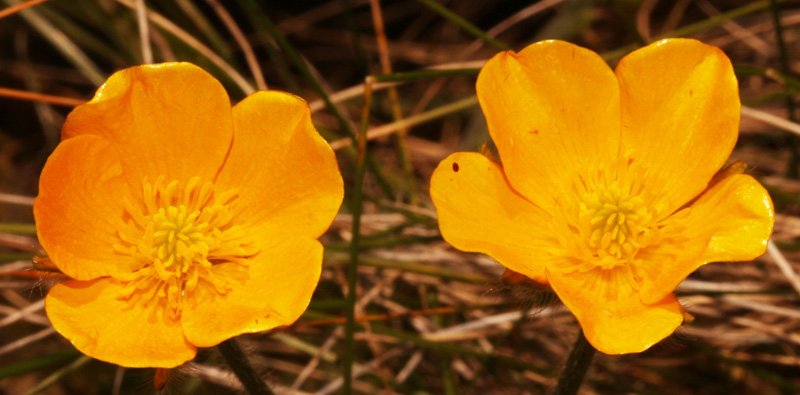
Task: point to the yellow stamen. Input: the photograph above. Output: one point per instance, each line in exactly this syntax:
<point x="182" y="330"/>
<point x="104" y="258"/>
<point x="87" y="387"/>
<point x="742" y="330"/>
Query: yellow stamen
<point x="613" y="220"/>
<point x="178" y="233"/>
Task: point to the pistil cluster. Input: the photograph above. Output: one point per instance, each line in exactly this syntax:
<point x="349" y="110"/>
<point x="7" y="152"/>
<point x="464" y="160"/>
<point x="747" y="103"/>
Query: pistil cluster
<point x="178" y="235"/>
<point x="614" y="223"/>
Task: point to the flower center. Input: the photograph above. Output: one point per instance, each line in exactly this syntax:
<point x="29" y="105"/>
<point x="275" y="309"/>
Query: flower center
<point x="178" y="241"/>
<point x="178" y="233"/>
<point x="613" y="222"/>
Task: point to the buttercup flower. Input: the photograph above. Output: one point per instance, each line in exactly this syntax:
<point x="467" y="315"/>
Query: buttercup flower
<point x="605" y="191"/>
<point x="180" y="221"/>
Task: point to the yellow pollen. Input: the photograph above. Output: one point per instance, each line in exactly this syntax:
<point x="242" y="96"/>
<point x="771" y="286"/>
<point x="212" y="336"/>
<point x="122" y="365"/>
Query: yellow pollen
<point x="613" y="223"/>
<point x="178" y="233"/>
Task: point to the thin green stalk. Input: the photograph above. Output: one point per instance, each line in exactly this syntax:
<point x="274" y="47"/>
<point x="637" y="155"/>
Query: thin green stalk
<point x="687" y="30"/>
<point x="276" y="61"/>
<point x="794" y="158"/>
<point x="445" y="359"/>
<point x="45" y="112"/>
<point x="401" y="137"/>
<point x="62" y="44"/>
<point x="236" y="359"/>
<point x="463" y="24"/>
<point x="448" y="377"/>
<point x="430" y="115"/>
<point x="388" y="241"/>
<point x="412" y="216"/>
<point x="358" y="46"/>
<point x="792" y="84"/>
<point x="414" y="120"/>
<point x="34" y="364"/>
<point x="18" y="228"/>
<point x="494" y="359"/>
<point x="717" y="20"/>
<point x="183" y="36"/>
<point x="338" y="258"/>
<point x="300" y="345"/>
<point x="90" y="42"/>
<point x="59" y="374"/>
<point x="204" y="27"/>
<point x="577" y="364"/>
<point x="356" y="206"/>
<point x="404" y="76"/>
<point x="252" y="7"/>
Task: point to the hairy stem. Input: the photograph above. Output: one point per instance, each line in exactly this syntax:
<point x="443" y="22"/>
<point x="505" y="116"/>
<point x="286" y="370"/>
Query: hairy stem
<point x="238" y="362"/>
<point x="577" y="364"/>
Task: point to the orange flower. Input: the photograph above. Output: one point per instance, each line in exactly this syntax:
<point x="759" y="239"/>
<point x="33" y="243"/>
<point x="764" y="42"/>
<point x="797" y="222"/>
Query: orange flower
<point x="605" y="190"/>
<point x="182" y="222"/>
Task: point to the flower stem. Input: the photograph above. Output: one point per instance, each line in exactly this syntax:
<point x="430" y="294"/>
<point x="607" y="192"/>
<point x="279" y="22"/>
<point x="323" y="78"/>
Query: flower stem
<point x="783" y="56"/>
<point x="236" y="359"/>
<point x="577" y="364"/>
<point x="355" y="241"/>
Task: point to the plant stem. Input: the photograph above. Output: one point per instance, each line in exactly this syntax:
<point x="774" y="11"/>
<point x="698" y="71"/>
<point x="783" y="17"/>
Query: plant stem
<point x="252" y="6"/>
<point x="404" y="76"/>
<point x="356" y="207"/>
<point x="463" y="24"/>
<point x="236" y="359"/>
<point x="401" y="137"/>
<point x="696" y="27"/>
<point x="577" y="364"/>
<point x="58" y="375"/>
<point x="783" y="56"/>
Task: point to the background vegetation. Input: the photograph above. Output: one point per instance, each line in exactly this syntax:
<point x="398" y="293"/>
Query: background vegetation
<point x="431" y="319"/>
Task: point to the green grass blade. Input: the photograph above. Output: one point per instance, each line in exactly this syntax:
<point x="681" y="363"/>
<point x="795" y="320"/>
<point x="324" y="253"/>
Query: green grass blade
<point x="62" y="44"/>
<point x="463" y="24"/>
<point x="355" y="249"/>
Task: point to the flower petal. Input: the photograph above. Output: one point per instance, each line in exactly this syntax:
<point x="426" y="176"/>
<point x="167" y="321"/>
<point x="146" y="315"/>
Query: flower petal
<point x="479" y="212"/>
<point x="680" y="116"/>
<point x="123" y="332"/>
<point x="611" y="314"/>
<point x="80" y="207"/>
<point x="171" y="120"/>
<point x="732" y="221"/>
<point x="286" y="173"/>
<point x="276" y="291"/>
<point x="553" y="112"/>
